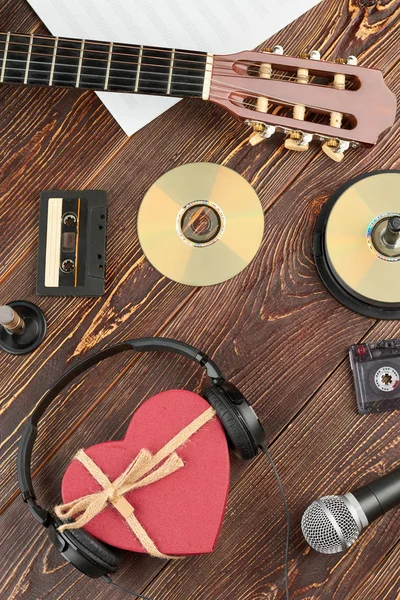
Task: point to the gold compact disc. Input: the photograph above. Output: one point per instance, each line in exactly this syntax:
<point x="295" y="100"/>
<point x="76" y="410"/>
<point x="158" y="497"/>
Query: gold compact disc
<point x="362" y="238"/>
<point x="200" y="224"/>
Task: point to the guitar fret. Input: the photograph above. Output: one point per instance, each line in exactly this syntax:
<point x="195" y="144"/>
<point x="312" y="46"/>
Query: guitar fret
<point x="108" y="65"/>
<point x="66" y="63"/>
<point x="155" y="71"/>
<point x="189" y="73"/>
<point x="28" y="60"/>
<point x="44" y="60"/>
<point x="94" y="66"/>
<point x="78" y="76"/>
<point x="53" y="62"/>
<point x="171" y="69"/>
<point x="123" y="68"/>
<point x="15" y="64"/>
<point x="207" y="77"/>
<point x="138" y="69"/>
<point x="3" y="68"/>
<point x="40" y="61"/>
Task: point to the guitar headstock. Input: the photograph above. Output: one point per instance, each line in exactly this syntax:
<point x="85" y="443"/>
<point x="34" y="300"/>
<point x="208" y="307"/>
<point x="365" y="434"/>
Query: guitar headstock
<point x="338" y="103"/>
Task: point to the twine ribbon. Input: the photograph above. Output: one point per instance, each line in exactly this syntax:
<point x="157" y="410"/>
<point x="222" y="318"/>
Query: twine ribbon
<point x="139" y="473"/>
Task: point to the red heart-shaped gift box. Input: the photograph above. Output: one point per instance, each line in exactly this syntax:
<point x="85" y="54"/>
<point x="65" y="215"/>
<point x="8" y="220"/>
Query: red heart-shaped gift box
<point x="183" y="512"/>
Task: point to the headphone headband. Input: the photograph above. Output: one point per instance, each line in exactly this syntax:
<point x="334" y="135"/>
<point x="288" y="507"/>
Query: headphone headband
<point x="30" y="431"/>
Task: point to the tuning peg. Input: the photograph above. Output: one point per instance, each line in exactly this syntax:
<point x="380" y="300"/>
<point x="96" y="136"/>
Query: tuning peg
<point x="256" y="136"/>
<point x="298" y="141"/>
<point x="335" y="149"/>
<point x="314" y="55"/>
<point x="261" y="132"/>
<point x="269" y="131"/>
<point x="274" y="50"/>
<point x="350" y="60"/>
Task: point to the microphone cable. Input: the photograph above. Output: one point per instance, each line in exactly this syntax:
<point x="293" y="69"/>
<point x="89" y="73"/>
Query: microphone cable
<point x="265" y="450"/>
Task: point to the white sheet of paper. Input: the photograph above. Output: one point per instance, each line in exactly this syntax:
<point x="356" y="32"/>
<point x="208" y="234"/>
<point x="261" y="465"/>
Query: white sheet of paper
<point x="218" y="26"/>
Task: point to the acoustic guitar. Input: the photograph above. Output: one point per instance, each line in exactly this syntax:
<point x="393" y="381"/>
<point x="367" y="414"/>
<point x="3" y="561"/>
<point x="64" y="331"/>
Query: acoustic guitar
<point x="340" y="104"/>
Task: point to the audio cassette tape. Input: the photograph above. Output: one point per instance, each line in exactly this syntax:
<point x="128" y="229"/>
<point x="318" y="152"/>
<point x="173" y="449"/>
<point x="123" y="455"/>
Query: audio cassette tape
<point x="72" y="243"/>
<point x="376" y="370"/>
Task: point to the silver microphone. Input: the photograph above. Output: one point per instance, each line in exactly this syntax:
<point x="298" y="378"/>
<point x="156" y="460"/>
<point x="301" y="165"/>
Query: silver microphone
<point x="333" y="523"/>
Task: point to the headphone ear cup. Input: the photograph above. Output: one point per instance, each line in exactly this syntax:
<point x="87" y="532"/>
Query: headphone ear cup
<point x="107" y="558"/>
<point x="236" y="433"/>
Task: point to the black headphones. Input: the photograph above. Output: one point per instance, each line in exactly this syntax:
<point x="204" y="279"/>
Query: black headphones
<point x="242" y="427"/>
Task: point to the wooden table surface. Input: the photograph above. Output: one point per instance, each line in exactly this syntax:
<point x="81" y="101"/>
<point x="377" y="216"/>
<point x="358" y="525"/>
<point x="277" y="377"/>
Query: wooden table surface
<point x="274" y="330"/>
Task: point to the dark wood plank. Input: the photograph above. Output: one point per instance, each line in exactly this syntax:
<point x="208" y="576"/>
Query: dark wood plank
<point x="290" y="305"/>
<point x="297" y="37"/>
<point x="126" y="187"/>
<point x="384" y="582"/>
<point x="109" y="414"/>
<point x="229" y="360"/>
<point x="50" y="139"/>
<point x="301" y="470"/>
<point x="17" y="15"/>
<point x="329" y="449"/>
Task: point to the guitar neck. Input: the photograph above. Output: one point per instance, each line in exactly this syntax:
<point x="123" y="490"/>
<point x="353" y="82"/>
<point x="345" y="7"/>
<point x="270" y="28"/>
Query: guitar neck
<point x="100" y="66"/>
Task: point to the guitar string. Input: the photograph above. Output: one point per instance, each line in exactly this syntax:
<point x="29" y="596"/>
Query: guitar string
<point x="22" y="69"/>
<point x="217" y="88"/>
<point x="16" y="79"/>
<point x="217" y="97"/>
<point x="224" y="86"/>
<point x="104" y="54"/>
<point x="276" y="111"/>
<point x="100" y="43"/>
<point x="251" y="106"/>
<point x="281" y="75"/>
<point x="238" y="103"/>
<point x="165" y="66"/>
<point x="85" y="76"/>
<point x="220" y="59"/>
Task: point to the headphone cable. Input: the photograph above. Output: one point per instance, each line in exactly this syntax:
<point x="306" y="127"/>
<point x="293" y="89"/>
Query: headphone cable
<point x="108" y="579"/>
<point x="265" y="450"/>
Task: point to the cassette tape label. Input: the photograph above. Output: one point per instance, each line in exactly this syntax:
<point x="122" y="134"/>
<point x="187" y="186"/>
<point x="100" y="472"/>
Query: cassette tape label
<point x="52" y="242"/>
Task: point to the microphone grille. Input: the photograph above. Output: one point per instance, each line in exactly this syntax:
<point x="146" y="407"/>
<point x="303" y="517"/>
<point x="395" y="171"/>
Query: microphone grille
<point x="329" y="526"/>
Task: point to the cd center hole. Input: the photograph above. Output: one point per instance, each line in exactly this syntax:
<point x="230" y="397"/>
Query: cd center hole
<point x="387" y="379"/>
<point x="385" y="236"/>
<point x="200" y="223"/>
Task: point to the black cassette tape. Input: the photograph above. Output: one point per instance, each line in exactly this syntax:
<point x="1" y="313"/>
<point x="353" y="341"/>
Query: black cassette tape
<point x="376" y="369"/>
<point x="72" y="243"/>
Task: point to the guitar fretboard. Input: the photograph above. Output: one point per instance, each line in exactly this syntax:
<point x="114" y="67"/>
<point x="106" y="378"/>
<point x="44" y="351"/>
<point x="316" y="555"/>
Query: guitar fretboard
<point x="101" y="66"/>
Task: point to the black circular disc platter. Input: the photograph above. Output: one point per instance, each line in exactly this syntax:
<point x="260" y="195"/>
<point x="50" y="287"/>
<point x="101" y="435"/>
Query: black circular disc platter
<point x="357" y="244"/>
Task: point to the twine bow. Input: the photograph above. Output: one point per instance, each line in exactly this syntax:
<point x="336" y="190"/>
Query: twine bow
<point x="139" y="473"/>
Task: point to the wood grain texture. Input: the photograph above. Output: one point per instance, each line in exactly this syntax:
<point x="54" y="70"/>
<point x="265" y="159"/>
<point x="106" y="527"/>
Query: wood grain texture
<point x="274" y="330"/>
<point x="384" y="581"/>
<point x="17" y="15"/>
<point x="126" y="186"/>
